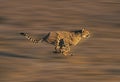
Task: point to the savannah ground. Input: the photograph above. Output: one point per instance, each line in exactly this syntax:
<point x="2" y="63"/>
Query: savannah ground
<point x="95" y="60"/>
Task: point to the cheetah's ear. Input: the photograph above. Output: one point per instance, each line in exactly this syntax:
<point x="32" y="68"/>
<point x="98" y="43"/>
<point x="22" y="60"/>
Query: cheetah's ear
<point x="83" y="29"/>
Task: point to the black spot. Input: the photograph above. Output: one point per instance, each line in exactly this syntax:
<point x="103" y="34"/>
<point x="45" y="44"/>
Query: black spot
<point x="22" y="34"/>
<point x="77" y="31"/>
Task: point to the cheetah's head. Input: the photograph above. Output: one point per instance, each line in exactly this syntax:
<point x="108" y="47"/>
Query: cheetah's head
<point x="85" y="33"/>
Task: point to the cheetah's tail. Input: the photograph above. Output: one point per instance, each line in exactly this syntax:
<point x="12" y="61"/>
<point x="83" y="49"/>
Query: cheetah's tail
<point x="30" y="38"/>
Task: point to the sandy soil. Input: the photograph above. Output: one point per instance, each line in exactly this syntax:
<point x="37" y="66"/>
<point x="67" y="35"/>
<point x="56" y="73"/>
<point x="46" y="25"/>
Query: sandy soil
<point x="95" y="60"/>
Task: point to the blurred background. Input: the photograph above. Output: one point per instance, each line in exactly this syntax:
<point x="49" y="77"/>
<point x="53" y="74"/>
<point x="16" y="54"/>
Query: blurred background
<point x="95" y="60"/>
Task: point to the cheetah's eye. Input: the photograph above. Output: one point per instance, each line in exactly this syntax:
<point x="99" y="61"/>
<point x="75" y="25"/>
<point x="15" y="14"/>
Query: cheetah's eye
<point x="87" y="36"/>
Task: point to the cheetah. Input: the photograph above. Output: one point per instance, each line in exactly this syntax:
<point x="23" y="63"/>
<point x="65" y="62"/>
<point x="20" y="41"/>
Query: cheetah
<point x="62" y="40"/>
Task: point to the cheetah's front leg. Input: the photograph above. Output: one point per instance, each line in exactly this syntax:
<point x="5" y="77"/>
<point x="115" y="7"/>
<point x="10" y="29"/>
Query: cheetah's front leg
<point x="64" y="47"/>
<point x="57" y="45"/>
<point x="65" y="50"/>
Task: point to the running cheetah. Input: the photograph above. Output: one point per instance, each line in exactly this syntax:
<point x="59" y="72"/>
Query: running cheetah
<point x="62" y="40"/>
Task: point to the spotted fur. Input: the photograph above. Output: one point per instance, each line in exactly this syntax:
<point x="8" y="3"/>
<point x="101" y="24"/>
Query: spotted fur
<point x="62" y="40"/>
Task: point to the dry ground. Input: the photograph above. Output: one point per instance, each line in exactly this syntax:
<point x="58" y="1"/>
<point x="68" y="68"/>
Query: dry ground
<point x="95" y="60"/>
